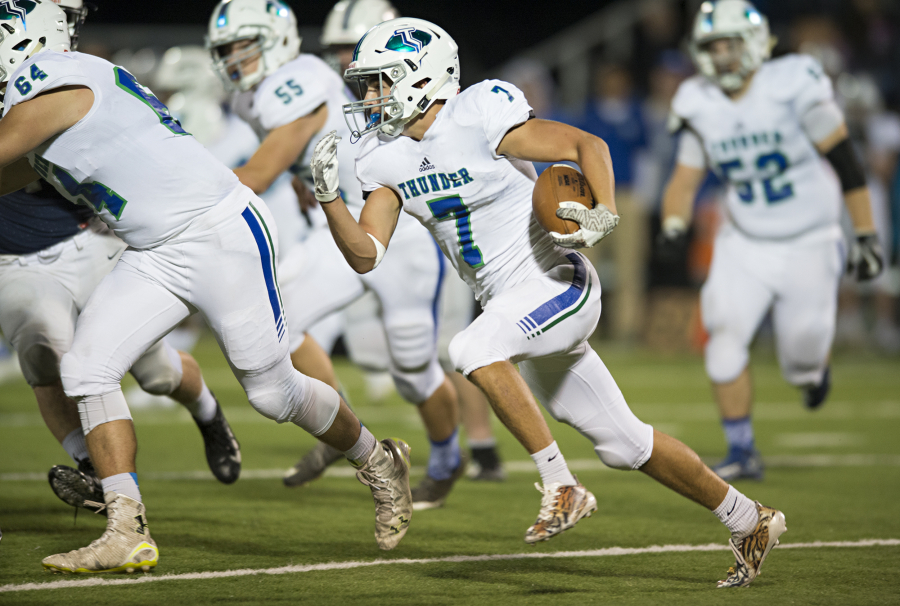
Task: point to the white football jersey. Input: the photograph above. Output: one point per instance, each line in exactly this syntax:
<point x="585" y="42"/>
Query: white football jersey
<point x="476" y="204"/>
<point x="778" y="184"/>
<point x="128" y="159"/>
<point x="234" y="148"/>
<point x="295" y="90"/>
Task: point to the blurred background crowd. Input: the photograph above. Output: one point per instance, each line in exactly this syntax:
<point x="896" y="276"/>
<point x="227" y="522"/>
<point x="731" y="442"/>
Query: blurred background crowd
<point x="612" y="69"/>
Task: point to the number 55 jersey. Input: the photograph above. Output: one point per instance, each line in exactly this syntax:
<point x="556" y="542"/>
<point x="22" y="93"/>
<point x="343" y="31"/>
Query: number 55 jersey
<point x="778" y="184"/>
<point x="143" y="207"/>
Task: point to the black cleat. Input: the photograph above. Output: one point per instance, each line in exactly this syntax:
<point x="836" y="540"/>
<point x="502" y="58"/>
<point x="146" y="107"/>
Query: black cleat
<point x="312" y="465"/>
<point x="223" y="453"/>
<point x="78" y="487"/>
<point x="431" y="493"/>
<point x="815" y="396"/>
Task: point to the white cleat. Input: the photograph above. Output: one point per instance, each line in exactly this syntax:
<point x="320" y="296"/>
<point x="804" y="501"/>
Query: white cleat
<point x="561" y="508"/>
<point x="751" y="551"/>
<point x="126" y="546"/>
<point x="386" y="473"/>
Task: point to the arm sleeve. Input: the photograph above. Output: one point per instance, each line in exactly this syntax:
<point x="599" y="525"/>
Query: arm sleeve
<point x="284" y="98"/>
<point x="501" y="106"/>
<point x="821" y="120"/>
<point x="690" y="150"/>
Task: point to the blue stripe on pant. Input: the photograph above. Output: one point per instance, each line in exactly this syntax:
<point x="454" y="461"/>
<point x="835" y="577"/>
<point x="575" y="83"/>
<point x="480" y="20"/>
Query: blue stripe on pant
<point x="265" y="256"/>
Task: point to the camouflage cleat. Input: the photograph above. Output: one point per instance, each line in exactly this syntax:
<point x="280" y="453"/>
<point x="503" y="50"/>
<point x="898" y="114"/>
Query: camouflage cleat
<point x="312" y="465"/>
<point x="77" y="487"/>
<point x="751" y="551"/>
<point x="386" y="473"/>
<point x="223" y="453"/>
<point x="431" y="493"/>
<point x="561" y="508"/>
<point x="126" y="546"/>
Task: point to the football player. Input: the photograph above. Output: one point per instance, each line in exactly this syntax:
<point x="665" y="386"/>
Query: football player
<point x="198" y="241"/>
<point x="291" y="99"/>
<point x="347" y="22"/>
<point x="767" y="128"/>
<point x="52" y="256"/>
<point x="541" y="300"/>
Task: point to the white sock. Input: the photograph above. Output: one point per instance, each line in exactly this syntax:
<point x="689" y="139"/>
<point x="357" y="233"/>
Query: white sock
<point x="359" y="453"/>
<point x="552" y="466"/>
<point x="738" y="513"/>
<point x="75" y="445"/>
<point x="123" y="483"/>
<point x="204" y="409"/>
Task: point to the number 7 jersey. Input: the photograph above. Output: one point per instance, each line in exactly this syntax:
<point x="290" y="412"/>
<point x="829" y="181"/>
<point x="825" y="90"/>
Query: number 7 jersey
<point x="128" y="158"/>
<point x="779" y="185"/>
<point x="476" y="204"/>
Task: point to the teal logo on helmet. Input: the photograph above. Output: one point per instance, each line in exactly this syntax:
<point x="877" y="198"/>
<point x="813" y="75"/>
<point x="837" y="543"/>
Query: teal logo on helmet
<point x="408" y="40"/>
<point x="12" y="9"/>
<point x="278" y="7"/>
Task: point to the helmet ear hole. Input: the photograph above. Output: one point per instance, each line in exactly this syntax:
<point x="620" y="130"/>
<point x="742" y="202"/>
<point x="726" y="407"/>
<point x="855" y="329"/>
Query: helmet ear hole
<point x="21" y="45"/>
<point x="8" y="28"/>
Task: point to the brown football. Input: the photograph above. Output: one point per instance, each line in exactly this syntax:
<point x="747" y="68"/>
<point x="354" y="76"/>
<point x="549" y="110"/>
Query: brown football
<point x="559" y="183"/>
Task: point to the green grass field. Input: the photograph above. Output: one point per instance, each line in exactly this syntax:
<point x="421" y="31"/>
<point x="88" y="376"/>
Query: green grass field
<point x="835" y="473"/>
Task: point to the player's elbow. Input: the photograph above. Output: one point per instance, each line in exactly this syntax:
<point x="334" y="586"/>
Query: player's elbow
<point x="588" y="145"/>
<point x="362" y="265"/>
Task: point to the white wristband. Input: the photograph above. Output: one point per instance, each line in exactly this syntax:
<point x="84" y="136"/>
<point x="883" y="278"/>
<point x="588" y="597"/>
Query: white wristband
<point x="674" y="226"/>
<point x="379" y="250"/>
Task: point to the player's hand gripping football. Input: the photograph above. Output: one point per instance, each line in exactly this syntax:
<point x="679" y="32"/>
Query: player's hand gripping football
<point x="595" y="223"/>
<point x="324" y="167"/>
<point x="866" y="257"/>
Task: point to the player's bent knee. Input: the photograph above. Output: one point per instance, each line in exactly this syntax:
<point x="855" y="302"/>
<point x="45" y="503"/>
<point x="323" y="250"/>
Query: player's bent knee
<point x="40" y="364"/>
<point x="417" y="386"/>
<point x="726" y="358"/>
<point x="159" y="372"/>
<point x="285" y="395"/>
<point x="629" y="453"/>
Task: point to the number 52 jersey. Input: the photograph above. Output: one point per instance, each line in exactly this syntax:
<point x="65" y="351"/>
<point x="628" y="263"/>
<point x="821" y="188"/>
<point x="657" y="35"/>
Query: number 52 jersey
<point x="779" y="185"/>
<point x="128" y="158"/>
<point x="476" y="204"/>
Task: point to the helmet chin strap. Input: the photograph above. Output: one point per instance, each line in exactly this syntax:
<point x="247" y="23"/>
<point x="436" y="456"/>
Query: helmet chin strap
<point x="35" y="51"/>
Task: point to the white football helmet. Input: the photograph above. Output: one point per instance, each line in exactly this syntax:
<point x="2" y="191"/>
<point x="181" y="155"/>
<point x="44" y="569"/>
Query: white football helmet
<point x="27" y="27"/>
<point x="349" y="20"/>
<point x="195" y="92"/>
<point x="404" y="52"/>
<point x="730" y="19"/>
<point x="76" y="12"/>
<point x="269" y="23"/>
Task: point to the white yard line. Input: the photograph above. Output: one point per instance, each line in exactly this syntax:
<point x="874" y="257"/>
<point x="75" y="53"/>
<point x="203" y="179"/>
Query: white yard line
<point x="345" y="471"/>
<point x="594" y="553"/>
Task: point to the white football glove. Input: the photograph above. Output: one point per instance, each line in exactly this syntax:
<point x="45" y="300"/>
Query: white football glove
<point x="324" y="167"/>
<point x="595" y="223"/>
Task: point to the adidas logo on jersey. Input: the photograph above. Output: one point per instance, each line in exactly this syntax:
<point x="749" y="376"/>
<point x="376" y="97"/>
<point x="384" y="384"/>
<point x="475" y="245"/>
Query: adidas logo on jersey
<point x="426" y="165"/>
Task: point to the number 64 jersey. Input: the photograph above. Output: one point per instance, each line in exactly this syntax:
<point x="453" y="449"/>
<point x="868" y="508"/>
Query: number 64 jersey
<point x="476" y="204"/>
<point x="128" y="158"/>
<point x="779" y="185"/>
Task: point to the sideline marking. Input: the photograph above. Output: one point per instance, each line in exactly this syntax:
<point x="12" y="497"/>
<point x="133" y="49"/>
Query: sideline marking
<point x="594" y="553"/>
<point x="345" y="471"/>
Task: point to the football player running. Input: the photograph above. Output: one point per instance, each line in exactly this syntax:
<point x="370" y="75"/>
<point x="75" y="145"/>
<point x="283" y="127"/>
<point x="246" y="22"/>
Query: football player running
<point x="52" y="256"/>
<point x="764" y="126"/>
<point x="347" y="22"/>
<point x="198" y="241"/>
<point x="291" y="100"/>
<point x="541" y="301"/>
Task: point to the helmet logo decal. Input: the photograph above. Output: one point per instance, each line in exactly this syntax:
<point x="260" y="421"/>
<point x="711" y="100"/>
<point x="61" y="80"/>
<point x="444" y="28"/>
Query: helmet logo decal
<point x="222" y="19"/>
<point x="10" y="9"/>
<point x="408" y="40"/>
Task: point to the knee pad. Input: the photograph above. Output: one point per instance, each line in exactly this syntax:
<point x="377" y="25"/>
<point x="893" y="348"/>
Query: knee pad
<point x="96" y="410"/>
<point x="411" y="345"/>
<point x="626" y="447"/>
<point x="418" y="385"/>
<point x="284" y="394"/>
<point x="159" y="371"/>
<point x="725" y="357"/>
